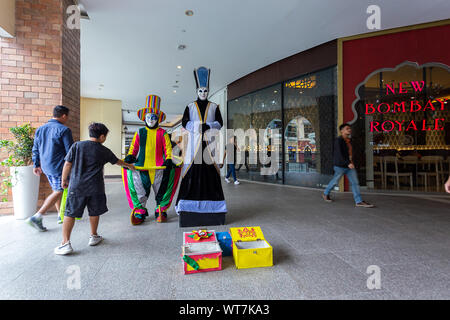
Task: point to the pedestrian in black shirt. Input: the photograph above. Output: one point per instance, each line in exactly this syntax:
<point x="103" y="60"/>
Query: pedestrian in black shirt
<point x="343" y="165"/>
<point x="86" y="187"/>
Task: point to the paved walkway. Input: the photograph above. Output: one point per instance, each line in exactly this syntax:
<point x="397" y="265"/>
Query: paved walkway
<point x="321" y="251"/>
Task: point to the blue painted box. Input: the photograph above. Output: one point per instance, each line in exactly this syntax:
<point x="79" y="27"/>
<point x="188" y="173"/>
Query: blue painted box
<point x="225" y="242"/>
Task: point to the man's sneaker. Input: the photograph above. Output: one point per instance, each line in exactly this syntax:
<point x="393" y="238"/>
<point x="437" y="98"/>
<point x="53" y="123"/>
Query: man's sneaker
<point x="59" y="220"/>
<point x="227" y="180"/>
<point x="36" y="223"/>
<point x="237" y="182"/>
<point x="95" y="240"/>
<point x="364" y="204"/>
<point x="64" y="249"/>
<point x="326" y="198"/>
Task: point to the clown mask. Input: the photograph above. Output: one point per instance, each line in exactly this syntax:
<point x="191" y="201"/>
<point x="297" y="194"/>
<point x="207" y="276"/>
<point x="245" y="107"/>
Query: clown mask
<point x="151" y="120"/>
<point x="202" y="93"/>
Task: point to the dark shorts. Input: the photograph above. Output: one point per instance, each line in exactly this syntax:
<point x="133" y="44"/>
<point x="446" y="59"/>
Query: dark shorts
<point x="95" y="204"/>
<point x="55" y="182"/>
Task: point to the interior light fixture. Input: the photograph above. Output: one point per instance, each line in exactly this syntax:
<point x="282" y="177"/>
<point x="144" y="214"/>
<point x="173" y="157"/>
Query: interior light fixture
<point x="83" y="12"/>
<point x="179" y="67"/>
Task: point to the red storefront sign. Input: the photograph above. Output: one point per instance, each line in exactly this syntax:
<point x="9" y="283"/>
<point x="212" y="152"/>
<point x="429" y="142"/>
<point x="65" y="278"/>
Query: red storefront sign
<point x="361" y="57"/>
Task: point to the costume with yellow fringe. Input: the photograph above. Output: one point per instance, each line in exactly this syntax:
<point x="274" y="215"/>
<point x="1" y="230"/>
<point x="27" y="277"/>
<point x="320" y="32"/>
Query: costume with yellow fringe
<point x="201" y="201"/>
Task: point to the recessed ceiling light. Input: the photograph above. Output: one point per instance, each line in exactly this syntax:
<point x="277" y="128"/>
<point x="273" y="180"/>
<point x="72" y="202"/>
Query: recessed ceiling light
<point x="189" y="13"/>
<point x="179" y="67"/>
<point x="174" y="91"/>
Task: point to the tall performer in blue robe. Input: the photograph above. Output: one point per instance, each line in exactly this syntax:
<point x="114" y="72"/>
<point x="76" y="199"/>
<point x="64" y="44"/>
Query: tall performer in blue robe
<point x="200" y="199"/>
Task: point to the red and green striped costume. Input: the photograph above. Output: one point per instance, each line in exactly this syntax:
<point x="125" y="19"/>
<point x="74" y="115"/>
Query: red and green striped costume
<point x="149" y="149"/>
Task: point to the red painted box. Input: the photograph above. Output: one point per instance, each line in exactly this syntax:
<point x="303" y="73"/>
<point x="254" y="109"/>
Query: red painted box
<point x="201" y="255"/>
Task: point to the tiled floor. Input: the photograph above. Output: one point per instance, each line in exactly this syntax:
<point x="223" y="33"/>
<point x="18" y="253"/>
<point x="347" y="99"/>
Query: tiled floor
<point x="321" y="251"/>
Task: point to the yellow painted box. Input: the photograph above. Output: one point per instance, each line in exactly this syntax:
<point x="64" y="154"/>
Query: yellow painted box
<point x="250" y="248"/>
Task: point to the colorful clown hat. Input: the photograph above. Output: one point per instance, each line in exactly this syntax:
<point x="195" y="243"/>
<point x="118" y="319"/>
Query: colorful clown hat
<point x="152" y="105"/>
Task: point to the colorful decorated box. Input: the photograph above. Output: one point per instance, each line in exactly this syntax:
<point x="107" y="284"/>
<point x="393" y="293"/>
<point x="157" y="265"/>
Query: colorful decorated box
<point x="225" y="242"/>
<point x="250" y="249"/>
<point x="201" y="252"/>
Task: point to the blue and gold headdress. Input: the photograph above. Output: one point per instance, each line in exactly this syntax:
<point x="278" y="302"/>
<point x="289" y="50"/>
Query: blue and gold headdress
<point x="201" y="76"/>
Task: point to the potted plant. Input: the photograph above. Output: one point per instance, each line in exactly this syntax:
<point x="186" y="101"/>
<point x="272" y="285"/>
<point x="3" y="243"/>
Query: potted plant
<point x="22" y="181"/>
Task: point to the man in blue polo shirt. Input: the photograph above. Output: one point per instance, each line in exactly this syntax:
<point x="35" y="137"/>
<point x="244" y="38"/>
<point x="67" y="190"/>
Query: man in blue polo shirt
<point x="51" y="144"/>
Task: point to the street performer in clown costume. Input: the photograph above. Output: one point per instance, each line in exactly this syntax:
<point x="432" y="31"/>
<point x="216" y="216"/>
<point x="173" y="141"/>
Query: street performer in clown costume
<point x="151" y="153"/>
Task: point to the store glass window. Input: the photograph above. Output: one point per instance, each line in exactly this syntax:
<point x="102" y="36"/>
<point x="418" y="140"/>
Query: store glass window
<point x="310" y="113"/>
<point x="298" y="118"/>
<point x="259" y="110"/>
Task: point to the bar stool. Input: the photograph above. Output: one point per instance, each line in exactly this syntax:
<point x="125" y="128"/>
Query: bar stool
<point x="444" y="170"/>
<point x="411" y="160"/>
<point x="378" y="162"/>
<point x="431" y="160"/>
<point x="396" y="174"/>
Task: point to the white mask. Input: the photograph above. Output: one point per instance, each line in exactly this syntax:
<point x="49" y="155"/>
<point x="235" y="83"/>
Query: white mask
<point x="202" y="93"/>
<point x="151" y="119"/>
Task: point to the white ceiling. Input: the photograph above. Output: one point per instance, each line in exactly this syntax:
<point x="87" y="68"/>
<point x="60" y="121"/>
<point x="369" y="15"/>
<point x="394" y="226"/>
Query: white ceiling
<point x="130" y="46"/>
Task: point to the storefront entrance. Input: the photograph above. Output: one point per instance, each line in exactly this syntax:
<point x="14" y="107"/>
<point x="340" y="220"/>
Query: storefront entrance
<point x="303" y="111"/>
<point x="405" y="117"/>
<point x="396" y="98"/>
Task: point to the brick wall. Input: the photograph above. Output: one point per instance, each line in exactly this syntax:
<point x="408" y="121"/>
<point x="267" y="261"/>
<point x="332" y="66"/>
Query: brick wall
<point x="39" y="68"/>
<point x="71" y="74"/>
